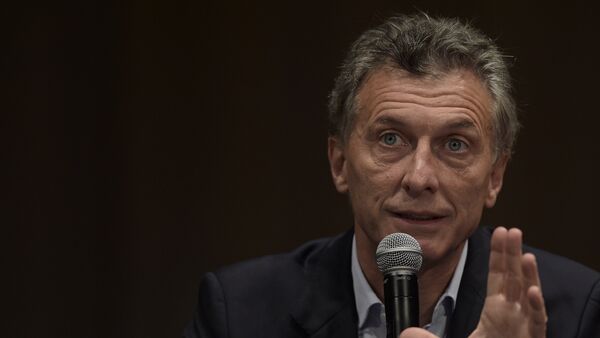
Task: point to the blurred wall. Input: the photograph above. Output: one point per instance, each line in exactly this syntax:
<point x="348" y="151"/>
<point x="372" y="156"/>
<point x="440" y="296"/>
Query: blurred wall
<point x="149" y="142"/>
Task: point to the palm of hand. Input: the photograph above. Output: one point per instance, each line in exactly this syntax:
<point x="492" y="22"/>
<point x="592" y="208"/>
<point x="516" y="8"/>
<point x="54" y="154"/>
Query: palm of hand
<point x="514" y="306"/>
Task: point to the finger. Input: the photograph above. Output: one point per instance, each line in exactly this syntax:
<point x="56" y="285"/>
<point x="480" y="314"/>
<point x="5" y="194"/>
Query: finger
<point x="497" y="261"/>
<point x="537" y="316"/>
<point x="530" y="270"/>
<point x="529" y="279"/>
<point x="531" y="276"/>
<point x="537" y="310"/>
<point x="514" y="271"/>
<point x="416" y="332"/>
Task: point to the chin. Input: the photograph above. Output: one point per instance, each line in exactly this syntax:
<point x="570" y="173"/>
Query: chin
<point x="431" y="254"/>
<point x="433" y="250"/>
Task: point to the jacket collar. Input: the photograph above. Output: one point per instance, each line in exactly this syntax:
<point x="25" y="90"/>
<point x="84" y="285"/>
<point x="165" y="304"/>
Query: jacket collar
<point x="327" y="307"/>
<point x="473" y="286"/>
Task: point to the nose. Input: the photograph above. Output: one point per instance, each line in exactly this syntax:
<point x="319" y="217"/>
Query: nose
<point x="421" y="175"/>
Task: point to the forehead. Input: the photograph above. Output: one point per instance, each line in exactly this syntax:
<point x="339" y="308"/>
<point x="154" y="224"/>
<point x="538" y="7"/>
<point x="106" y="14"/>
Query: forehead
<point x="458" y="92"/>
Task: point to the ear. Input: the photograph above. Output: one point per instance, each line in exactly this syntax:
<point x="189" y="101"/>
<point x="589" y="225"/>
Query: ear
<point x="496" y="179"/>
<point x="337" y="163"/>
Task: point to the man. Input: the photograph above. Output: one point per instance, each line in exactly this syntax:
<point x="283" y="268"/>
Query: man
<point x="423" y="127"/>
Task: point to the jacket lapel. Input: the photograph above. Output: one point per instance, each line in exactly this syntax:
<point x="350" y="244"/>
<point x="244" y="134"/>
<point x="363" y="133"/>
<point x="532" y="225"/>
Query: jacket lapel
<point x="473" y="286"/>
<point x="327" y="308"/>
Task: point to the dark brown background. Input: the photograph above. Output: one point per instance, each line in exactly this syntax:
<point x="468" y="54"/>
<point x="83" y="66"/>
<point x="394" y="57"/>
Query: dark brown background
<point x="148" y="142"/>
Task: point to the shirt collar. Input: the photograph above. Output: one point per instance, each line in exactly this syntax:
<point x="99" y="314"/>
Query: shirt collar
<point x="363" y="293"/>
<point x="452" y="289"/>
<point x="365" y="296"/>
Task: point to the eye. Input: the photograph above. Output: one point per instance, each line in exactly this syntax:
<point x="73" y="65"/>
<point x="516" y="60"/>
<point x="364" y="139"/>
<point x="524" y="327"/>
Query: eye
<point x="456" y="145"/>
<point x="390" y="139"/>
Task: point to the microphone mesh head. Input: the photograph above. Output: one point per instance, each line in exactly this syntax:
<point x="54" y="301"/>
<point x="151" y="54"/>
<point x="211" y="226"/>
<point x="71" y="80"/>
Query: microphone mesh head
<point x="399" y="251"/>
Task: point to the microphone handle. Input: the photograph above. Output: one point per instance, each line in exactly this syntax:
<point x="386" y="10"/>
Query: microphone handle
<point x="401" y="292"/>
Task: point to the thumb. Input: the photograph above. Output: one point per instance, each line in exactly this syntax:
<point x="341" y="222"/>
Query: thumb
<point x="416" y="332"/>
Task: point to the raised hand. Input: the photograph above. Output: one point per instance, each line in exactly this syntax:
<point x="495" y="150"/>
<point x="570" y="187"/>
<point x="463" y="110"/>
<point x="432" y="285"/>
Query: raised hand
<point x="514" y="306"/>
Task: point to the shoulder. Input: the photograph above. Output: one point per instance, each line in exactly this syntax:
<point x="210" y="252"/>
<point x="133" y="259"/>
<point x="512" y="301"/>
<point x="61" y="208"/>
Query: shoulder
<point x="568" y="286"/>
<point x="275" y="276"/>
<point x="571" y="295"/>
<point x="257" y="296"/>
<point x="561" y="272"/>
<point x="267" y="268"/>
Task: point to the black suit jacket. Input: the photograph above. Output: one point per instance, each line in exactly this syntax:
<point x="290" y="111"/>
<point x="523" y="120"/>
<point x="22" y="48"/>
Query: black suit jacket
<point x="308" y="293"/>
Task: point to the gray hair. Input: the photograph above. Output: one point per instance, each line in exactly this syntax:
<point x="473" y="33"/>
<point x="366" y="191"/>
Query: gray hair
<point x="422" y="45"/>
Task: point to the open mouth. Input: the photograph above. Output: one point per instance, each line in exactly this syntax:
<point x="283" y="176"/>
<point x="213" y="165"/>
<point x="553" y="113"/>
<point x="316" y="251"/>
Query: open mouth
<point x="419" y="217"/>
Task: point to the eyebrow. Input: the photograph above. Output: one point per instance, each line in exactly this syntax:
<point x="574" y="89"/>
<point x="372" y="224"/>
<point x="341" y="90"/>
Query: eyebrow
<point x="387" y="120"/>
<point x="456" y="124"/>
<point x="462" y="124"/>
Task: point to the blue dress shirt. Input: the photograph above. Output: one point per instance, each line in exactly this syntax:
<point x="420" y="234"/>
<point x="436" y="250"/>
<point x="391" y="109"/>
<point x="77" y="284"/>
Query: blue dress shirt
<point x="371" y="312"/>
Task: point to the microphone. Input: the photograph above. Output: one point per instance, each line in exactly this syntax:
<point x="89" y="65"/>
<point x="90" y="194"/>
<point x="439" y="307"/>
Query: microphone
<point x="399" y="258"/>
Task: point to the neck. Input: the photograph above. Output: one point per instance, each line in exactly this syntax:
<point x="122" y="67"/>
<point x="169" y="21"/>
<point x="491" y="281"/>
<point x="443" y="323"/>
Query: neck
<point x="434" y="277"/>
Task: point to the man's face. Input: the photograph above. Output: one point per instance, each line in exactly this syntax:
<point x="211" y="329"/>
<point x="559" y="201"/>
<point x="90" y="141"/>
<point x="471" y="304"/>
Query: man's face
<point x="419" y="159"/>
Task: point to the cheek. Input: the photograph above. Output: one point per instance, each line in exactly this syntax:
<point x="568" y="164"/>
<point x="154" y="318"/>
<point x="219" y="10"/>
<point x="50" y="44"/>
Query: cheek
<point x="368" y="186"/>
<point x="472" y="179"/>
<point x="368" y="176"/>
<point x="469" y="191"/>
<point x="365" y="186"/>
